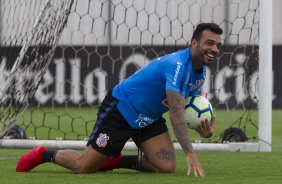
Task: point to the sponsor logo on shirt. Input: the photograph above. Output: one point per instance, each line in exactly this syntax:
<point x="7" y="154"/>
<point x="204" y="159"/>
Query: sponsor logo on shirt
<point x="198" y="84"/>
<point x="177" y="70"/>
<point x="143" y="120"/>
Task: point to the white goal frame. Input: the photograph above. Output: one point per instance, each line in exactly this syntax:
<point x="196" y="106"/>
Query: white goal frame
<point x="265" y="83"/>
<point x="264" y="143"/>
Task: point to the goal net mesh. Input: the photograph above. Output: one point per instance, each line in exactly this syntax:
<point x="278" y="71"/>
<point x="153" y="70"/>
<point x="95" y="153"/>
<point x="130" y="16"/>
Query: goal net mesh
<point x="29" y="32"/>
<point x="104" y="42"/>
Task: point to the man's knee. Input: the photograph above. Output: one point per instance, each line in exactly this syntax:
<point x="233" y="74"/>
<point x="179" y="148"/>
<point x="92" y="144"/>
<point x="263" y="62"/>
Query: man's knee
<point x="79" y="168"/>
<point x="82" y="169"/>
<point x="168" y="168"/>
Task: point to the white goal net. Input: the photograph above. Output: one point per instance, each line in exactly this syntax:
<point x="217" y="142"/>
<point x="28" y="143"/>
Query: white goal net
<point x="57" y="70"/>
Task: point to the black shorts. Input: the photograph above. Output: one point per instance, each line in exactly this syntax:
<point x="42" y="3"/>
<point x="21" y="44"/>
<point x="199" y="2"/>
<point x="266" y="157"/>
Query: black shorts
<point x="111" y="131"/>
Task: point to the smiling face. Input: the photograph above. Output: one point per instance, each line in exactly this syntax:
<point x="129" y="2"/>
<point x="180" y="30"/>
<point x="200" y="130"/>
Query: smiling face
<point x="206" y="49"/>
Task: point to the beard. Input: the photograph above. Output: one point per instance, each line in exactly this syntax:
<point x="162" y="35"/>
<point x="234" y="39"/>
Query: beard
<point x="205" y="60"/>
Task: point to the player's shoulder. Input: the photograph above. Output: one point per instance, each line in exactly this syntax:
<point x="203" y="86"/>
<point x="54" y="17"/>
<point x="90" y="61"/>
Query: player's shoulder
<point x="182" y="52"/>
<point x="178" y="55"/>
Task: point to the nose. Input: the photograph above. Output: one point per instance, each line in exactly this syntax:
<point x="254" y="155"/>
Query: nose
<point x="215" y="49"/>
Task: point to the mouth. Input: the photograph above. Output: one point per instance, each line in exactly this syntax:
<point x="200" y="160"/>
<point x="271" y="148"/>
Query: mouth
<point x="210" y="56"/>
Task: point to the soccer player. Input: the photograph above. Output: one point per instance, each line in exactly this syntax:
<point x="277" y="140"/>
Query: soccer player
<point x="134" y="109"/>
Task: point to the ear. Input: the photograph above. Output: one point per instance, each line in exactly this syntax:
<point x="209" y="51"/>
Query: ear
<point x="193" y="42"/>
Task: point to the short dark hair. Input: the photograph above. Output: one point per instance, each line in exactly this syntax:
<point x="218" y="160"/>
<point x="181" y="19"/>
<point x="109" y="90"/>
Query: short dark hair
<point x="203" y="26"/>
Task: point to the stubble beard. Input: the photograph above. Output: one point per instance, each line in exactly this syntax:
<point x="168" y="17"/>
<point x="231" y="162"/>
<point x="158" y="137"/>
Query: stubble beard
<point x="203" y="61"/>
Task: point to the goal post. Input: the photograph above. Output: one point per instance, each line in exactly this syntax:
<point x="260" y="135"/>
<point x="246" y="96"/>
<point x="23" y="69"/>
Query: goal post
<point x="97" y="44"/>
<point x="265" y="83"/>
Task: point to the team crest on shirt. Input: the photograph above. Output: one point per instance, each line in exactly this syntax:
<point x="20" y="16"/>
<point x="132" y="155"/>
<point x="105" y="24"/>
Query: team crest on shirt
<point x="102" y="140"/>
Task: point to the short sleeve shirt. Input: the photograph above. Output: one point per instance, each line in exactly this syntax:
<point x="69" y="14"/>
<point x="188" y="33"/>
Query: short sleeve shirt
<point x="143" y="95"/>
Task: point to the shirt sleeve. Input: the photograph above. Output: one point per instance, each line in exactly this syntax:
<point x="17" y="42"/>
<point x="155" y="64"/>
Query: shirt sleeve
<point x="177" y="73"/>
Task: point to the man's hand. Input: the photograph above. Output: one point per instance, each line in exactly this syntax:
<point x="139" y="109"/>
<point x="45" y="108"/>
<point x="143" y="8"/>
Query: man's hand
<point x="206" y="129"/>
<point x="194" y="165"/>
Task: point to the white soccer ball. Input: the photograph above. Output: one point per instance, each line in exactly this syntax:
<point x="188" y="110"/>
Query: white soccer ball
<point x="197" y="108"/>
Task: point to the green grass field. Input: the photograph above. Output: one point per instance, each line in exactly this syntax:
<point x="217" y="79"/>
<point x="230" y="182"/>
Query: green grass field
<point x="220" y="167"/>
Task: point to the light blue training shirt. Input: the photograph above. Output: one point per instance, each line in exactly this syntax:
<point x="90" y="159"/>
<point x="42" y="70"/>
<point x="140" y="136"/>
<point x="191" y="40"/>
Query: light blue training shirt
<point x="143" y="97"/>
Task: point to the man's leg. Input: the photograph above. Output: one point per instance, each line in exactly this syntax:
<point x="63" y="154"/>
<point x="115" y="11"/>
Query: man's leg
<point x="159" y="154"/>
<point x="156" y="144"/>
<point x="88" y="162"/>
<point x="134" y="162"/>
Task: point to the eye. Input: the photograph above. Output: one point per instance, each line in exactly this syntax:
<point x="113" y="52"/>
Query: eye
<point x="218" y="46"/>
<point x="209" y="43"/>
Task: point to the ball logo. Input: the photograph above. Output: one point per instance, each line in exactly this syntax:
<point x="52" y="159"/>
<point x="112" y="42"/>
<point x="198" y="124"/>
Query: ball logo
<point x="102" y="140"/>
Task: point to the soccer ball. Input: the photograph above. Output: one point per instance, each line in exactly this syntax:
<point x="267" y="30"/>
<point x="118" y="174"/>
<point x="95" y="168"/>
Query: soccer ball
<point x="197" y="108"/>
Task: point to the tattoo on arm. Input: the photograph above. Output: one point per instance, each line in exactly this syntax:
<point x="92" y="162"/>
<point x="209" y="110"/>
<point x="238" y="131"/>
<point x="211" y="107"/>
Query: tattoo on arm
<point x="176" y="107"/>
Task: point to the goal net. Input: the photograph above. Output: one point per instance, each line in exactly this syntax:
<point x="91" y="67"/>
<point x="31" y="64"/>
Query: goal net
<point x="29" y="32"/>
<point x="66" y="69"/>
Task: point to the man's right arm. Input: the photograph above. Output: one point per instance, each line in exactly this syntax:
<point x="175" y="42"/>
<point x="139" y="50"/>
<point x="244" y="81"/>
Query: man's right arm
<point x="176" y="108"/>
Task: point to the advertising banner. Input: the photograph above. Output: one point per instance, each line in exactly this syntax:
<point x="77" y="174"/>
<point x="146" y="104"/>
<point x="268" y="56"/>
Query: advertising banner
<point x="83" y="76"/>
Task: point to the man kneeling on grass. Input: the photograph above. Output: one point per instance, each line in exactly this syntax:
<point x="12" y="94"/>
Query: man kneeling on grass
<point x="134" y="109"/>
